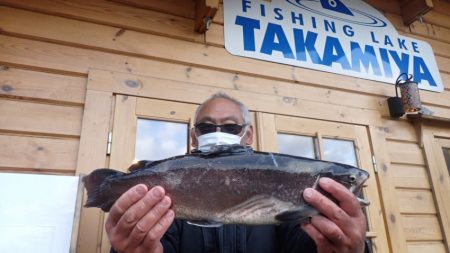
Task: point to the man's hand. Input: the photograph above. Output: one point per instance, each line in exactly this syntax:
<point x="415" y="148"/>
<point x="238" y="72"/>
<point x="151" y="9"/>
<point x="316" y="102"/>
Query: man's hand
<point x="139" y="219"/>
<point x="341" y="228"/>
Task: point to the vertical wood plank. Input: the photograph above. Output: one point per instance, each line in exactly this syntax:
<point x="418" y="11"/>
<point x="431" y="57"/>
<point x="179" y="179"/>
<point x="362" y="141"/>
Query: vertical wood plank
<point x="76" y="220"/>
<point x="123" y="144"/>
<point x="92" y="155"/>
<point x="266" y="132"/>
<point x="124" y="134"/>
<point x="374" y="210"/>
<point x="396" y="234"/>
<point x="255" y="144"/>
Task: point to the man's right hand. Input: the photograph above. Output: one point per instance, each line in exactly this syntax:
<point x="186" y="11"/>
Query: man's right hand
<point x="139" y="219"/>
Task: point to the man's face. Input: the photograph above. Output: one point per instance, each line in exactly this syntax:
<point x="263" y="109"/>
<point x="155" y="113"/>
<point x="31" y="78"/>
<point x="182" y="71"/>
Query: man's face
<point x="221" y="111"/>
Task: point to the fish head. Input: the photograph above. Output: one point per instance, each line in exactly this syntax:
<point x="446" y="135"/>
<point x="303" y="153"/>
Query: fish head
<point x="351" y="177"/>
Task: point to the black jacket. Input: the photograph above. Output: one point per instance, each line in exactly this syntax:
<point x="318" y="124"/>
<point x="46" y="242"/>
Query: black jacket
<point x="182" y="237"/>
<point x="185" y="238"/>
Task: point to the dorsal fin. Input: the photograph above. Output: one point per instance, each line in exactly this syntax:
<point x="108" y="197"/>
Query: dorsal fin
<point x="220" y="150"/>
<point x="142" y="164"/>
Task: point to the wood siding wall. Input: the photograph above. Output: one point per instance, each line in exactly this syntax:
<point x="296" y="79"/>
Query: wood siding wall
<point x="48" y="47"/>
<point x="413" y="191"/>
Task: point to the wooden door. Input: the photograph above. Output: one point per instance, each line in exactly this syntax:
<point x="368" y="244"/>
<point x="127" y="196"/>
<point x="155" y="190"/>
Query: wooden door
<point x="135" y="116"/>
<point x="443" y="156"/>
<point x="147" y="129"/>
<point x="325" y="140"/>
<point x="436" y="142"/>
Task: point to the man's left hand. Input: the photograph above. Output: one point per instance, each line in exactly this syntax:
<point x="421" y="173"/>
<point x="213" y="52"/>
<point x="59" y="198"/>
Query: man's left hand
<point x="341" y="227"/>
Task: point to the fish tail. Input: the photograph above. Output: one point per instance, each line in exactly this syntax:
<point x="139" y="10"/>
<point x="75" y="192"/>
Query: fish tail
<point x="98" y="187"/>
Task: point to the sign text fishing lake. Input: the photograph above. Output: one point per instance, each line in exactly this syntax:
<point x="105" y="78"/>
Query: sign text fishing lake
<point x="344" y="37"/>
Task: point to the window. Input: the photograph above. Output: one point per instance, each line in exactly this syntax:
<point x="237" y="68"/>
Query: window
<point x="447" y="158"/>
<point x="334" y="150"/>
<point x="341" y="151"/>
<point x="297" y="145"/>
<point x="156" y="140"/>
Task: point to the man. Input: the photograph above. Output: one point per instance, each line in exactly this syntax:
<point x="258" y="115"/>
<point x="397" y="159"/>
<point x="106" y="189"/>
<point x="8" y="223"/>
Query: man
<point x="141" y="219"/>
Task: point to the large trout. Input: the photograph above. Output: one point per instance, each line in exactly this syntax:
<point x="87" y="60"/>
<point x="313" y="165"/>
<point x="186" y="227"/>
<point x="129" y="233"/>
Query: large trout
<point x="231" y="184"/>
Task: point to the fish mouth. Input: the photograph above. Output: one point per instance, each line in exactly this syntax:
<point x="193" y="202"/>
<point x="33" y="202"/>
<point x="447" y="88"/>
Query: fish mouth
<point x="356" y="189"/>
<point x="363" y="202"/>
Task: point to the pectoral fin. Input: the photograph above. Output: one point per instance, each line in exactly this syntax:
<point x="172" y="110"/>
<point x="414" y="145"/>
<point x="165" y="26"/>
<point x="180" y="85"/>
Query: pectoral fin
<point x="297" y="215"/>
<point x="205" y="223"/>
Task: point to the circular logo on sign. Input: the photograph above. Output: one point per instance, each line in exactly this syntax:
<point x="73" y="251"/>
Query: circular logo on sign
<point x="336" y="9"/>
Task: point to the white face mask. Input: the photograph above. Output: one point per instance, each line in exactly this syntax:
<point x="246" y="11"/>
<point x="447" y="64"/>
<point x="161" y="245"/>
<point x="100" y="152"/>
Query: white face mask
<point x="207" y="141"/>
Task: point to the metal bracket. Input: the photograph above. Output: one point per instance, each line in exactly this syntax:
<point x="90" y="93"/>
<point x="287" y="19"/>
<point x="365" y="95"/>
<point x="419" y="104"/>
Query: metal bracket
<point x="109" y="144"/>
<point x="204" y="14"/>
<point x="374" y="163"/>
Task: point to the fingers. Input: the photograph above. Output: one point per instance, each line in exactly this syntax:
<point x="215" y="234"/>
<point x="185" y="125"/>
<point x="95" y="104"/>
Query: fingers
<point x="327" y="207"/>
<point x="330" y="238"/>
<point x="134" y="213"/>
<point x="342" y="226"/>
<point x="124" y="203"/>
<point x="325" y="232"/>
<point x="138" y="215"/>
<point x="347" y="206"/>
<point x="148" y="220"/>
<point x="156" y="233"/>
<point x="322" y="243"/>
<point x="329" y="229"/>
<point x="347" y="200"/>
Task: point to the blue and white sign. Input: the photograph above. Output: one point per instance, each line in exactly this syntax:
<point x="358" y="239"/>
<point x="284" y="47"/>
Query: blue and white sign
<point x="347" y="37"/>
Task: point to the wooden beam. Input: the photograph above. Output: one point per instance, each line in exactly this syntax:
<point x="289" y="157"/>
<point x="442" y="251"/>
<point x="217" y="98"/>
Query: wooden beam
<point x="414" y="9"/>
<point x="204" y="14"/>
<point x="429" y="118"/>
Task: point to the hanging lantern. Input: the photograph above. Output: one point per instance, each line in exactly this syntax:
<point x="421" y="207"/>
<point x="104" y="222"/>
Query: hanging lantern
<point x="410" y="99"/>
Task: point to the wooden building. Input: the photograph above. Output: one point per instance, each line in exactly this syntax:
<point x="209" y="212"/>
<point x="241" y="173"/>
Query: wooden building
<point x="72" y="72"/>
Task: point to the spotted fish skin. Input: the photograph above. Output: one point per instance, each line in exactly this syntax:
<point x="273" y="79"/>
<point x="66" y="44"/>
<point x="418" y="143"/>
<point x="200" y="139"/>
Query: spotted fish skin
<point x="230" y="185"/>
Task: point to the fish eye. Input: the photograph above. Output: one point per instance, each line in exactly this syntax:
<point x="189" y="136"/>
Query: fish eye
<point x="352" y="178"/>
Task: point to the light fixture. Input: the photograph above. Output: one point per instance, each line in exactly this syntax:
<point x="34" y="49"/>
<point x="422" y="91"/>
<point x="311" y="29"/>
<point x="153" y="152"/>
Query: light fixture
<point x="409" y="100"/>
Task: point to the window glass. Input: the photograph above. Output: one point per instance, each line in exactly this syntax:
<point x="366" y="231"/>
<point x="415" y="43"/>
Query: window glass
<point x="340" y="151"/>
<point x="447" y="158"/>
<point x="296" y="145"/>
<point x="156" y="140"/>
<point x="334" y="150"/>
